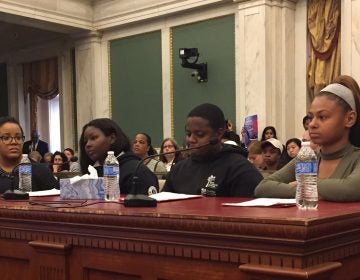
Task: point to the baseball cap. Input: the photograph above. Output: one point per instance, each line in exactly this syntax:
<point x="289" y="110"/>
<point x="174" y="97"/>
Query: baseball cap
<point x="273" y="142"/>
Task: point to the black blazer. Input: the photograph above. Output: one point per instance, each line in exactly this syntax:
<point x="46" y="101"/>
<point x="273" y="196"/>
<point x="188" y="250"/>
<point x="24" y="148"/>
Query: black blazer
<point x="42" y="147"/>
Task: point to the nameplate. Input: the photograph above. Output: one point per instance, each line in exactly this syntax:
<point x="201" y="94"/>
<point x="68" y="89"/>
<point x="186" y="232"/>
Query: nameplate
<point x="83" y="189"/>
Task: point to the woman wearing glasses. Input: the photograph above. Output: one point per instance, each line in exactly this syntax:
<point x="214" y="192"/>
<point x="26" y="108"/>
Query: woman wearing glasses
<point x="11" y="144"/>
<point x="170" y="145"/>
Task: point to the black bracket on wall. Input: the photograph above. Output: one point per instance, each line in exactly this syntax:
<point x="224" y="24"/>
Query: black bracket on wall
<point x="189" y="58"/>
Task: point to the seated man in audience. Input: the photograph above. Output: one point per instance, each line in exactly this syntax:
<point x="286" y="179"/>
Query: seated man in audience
<point x="271" y="152"/>
<point x="35" y="144"/>
<point x="212" y="169"/>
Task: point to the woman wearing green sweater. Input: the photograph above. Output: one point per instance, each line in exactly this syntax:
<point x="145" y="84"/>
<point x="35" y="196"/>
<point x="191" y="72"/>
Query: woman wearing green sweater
<point x="335" y="127"/>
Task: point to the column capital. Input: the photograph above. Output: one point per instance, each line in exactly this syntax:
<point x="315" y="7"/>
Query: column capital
<point x="87" y="37"/>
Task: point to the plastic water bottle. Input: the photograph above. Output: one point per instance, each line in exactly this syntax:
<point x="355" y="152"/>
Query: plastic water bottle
<point x="111" y="177"/>
<point x="25" y="174"/>
<point x="306" y="177"/>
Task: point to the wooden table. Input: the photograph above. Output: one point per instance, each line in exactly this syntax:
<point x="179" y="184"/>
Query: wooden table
<point x="189" y="239"/>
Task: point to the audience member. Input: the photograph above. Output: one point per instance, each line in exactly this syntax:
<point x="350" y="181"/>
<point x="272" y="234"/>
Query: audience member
<point x="47" y="158"/>
<point x="35" y="156"/>
<point x="293" y="146"/>
<point x="11" y="146"/>
<point x="335" y="127"/>
<point x="35" y="144"/>
<point x="268" y="132"/>
<point x="142" y="148"/>
<point x="226" y="139"/>
<point x="255" y="154"/>
<point x="231" y="134"/>
<point x="170" y="145"/>
<point x="306" y="121"/>
<point x="102" y="135"/>
<point x="59" y="162"/>
<point x="290" y="151"/>
<point x="72" y="159"/>
<point x="306" y="136"/>
<point x="271" y="152"/>
<point x="214" y="169"/>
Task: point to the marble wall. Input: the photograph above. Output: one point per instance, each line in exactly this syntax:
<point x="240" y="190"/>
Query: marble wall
<point x="350" y="38"/>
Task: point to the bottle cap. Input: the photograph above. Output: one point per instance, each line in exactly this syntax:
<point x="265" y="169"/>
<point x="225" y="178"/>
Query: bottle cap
<point x="110" y="152"/>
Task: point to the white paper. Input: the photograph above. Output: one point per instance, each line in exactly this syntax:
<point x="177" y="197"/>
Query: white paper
<point x="45" y="193"/>
<point x="93" y="175"/>
<point x="265" y="202"/>
<point x="167" y="196"/>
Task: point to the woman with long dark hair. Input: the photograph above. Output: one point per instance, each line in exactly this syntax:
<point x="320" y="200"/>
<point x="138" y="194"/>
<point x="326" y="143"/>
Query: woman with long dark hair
<point x="335" y="126"/>
<point x="102" y="135"/>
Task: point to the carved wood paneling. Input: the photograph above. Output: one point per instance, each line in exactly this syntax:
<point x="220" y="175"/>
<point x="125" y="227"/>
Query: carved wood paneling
<point x="113" y="240"/>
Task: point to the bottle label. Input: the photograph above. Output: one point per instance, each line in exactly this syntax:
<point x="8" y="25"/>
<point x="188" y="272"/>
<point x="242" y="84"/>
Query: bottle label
<point x="25" y="169"/>
<point x="306" y="167"/>
<point x="111" y="170"/>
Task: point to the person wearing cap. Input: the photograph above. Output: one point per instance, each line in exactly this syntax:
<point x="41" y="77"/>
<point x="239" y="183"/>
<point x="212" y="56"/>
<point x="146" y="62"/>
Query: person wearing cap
<point x="271" y="153"/>
<point x="213" y="168"/>
<point x="335" y="126"/>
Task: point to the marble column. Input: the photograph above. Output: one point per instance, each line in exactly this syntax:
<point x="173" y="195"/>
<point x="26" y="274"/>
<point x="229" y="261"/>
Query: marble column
<point x="92" y="101"/>
<point x="350" y="38"/>
<point x="265" y="70"/>
<point x="68" y="135"/>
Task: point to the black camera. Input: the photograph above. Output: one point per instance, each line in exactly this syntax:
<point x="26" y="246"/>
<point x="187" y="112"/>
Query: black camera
<point x="186" y="53"/>
<point x="189" y="58"/>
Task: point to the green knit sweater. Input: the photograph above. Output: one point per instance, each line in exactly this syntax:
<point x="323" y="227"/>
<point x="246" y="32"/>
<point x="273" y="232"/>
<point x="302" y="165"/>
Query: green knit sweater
<point x="342" y="185"/>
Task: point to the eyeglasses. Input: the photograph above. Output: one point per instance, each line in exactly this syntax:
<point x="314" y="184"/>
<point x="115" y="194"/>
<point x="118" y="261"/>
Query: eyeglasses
<point x="168" y="146"/>
<point x="8" y="139"/>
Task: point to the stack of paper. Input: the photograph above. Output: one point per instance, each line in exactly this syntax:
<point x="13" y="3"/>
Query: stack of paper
<point x="167" y="196"/>
<point x="280" y="202"/>
<point x="45" y="193"/>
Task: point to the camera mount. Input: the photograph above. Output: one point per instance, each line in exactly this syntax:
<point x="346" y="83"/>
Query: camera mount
<point x="189" y="58"/>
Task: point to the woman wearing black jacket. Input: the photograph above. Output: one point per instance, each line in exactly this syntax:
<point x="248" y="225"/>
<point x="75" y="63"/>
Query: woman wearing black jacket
<point x="102" y="135"/>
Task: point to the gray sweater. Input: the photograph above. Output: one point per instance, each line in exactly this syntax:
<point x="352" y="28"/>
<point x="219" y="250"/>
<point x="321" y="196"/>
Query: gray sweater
<point x="342" y="185"/>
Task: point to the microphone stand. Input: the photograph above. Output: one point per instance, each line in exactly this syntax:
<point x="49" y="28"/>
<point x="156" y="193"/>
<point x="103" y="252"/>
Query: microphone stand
<point x="142" y="200"/>
<point x="14" y="194"/>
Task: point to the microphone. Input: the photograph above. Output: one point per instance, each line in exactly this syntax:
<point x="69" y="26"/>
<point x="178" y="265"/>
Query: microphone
<point x="141" y="200"/>
<point x="14" y="194"/>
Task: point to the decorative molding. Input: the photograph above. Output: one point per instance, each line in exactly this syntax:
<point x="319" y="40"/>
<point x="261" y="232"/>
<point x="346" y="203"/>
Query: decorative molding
<point x="324" y="271"/>
<point x="171" y="84"/>
<point x="108" y="43"/>
<point x="47" y="15"/>
<point x="175" y="7"/>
